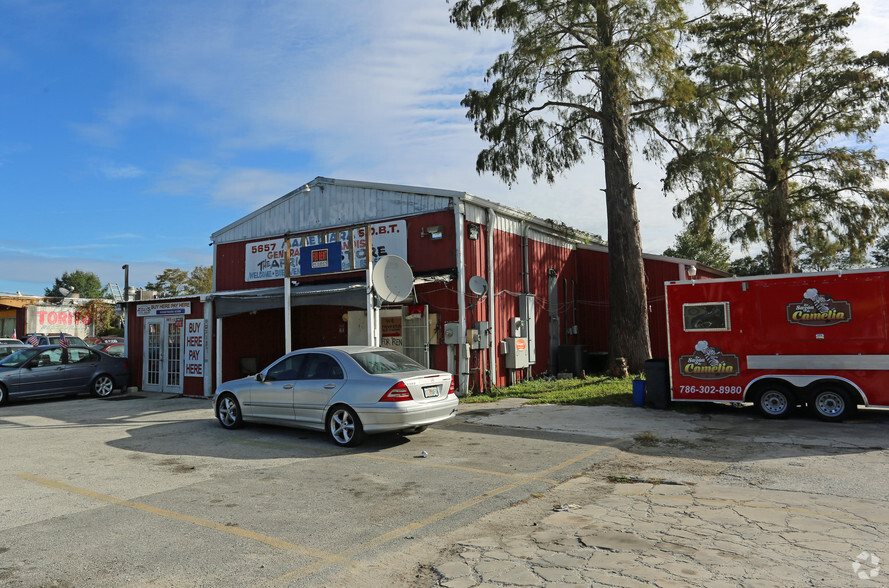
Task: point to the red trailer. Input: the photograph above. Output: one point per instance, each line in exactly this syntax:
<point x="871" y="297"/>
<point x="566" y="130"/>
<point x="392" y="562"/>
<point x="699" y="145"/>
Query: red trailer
<point x="817" y="340"/>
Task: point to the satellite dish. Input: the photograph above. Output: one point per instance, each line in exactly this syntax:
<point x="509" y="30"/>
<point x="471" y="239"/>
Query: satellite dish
<point x="478" y="285"/>
<point x="392" y="278"/>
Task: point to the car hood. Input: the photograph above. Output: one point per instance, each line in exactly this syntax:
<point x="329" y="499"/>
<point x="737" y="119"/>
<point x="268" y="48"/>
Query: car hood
<point x="239" y="383"/>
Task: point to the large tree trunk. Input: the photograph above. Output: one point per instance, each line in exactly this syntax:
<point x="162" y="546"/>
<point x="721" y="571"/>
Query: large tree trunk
<point x="628" y="325"/>
<point x="779" y="222"/>
<point x="782" y="246"/>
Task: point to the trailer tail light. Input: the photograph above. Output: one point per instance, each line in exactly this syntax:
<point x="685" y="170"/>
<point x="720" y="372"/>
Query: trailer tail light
<point x="397" y="393"/>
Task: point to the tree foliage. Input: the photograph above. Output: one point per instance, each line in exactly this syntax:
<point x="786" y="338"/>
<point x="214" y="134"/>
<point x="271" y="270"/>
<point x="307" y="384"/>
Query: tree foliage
<point x="880" y="252"/>
<point x="86" y="284"/>
<point x="580" y="77"/>
<point x="756" y="265"/>
<point x="779" y="134"/>
<point x="702" y="247"/>
<point x="817" y="252"/>
<point x="174" y="282"/>
<point x="169" y="283"/>
<point x="98" y="312"/>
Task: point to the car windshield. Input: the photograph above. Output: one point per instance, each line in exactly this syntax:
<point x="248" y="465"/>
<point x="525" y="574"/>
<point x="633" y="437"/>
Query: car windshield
<point x="54" y="340"/>
<point x="19" y="359"/>
<point x="385" y="362"/>
<point x="10" y="349"/>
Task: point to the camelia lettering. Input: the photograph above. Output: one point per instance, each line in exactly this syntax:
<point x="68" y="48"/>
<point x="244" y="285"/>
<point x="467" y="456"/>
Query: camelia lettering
<point x="832" y="315"/>
<point x="709" y="369"/>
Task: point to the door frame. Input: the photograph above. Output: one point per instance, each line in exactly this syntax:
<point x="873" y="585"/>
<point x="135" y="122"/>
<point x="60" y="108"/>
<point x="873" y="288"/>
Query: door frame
<point x="170" y="344"/>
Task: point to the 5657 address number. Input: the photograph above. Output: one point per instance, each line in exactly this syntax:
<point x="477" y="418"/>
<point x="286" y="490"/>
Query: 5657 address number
<point x="737" y="390"/>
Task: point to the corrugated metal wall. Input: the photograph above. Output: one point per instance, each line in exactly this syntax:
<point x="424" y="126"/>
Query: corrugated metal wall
<point x="594" y="297"/>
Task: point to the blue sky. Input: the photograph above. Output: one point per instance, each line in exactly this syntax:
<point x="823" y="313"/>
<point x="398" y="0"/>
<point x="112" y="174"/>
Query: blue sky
<point x="131" y="131"/>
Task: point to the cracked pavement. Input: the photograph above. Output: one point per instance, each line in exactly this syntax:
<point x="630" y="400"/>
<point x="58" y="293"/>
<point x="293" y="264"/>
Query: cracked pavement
<point x="707" y="500"/>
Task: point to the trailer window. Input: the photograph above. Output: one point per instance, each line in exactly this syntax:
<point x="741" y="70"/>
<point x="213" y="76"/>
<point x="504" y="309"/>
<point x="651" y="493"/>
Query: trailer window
<point x="706" y="316"/>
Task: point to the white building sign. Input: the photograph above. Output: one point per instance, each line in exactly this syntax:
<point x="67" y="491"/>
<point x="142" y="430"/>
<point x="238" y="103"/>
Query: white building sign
<point x="264" y="260"/>
<point x="163" y="309"/>
<point x="194" y="348"/>
<point x="53" y="319"/>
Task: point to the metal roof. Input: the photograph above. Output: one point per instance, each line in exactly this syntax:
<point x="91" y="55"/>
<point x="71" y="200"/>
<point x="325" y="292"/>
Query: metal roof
<point x="326" y="203"/>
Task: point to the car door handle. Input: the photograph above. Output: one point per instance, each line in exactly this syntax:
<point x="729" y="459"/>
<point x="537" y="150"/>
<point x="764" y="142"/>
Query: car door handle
<point x="329" y="386"/>
<point x="288" y="386"/>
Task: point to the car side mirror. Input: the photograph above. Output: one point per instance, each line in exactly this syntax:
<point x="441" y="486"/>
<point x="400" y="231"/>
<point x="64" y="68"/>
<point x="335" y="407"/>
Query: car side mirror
<point x="259" y="377"/>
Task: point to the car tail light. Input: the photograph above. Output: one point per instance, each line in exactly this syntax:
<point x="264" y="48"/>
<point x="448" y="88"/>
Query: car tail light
<point x="451" y="388"/>
<point x="397" y="393"/>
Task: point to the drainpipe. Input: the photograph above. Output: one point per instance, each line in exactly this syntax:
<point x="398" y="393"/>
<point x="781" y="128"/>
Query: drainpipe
<point x="214" y="331"/>
<point x="288" y="337"/>
<point x="372" y="339"/>
<point x="462" y="360"/>
<point x="492" y="316"/>
<point x="208" y="346"/>
<point x="218" y="351"/>
<point x="526" y="276"/>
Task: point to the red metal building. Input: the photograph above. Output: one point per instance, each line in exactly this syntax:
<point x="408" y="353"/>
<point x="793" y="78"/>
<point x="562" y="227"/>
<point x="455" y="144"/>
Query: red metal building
<point x="498" y="294"/>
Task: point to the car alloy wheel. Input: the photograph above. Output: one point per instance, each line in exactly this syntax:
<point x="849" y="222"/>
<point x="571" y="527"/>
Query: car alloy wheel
<point x="103" y="386"/>
<point x="344" y="427"/>
<point x="229" y="413"/>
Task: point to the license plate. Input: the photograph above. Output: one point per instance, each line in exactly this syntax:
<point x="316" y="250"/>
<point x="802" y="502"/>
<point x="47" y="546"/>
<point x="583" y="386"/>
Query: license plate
<point x="431" y="391"/>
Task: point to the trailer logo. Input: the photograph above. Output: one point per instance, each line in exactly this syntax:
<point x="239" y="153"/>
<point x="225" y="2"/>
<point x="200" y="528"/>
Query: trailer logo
<point x="819" y="310"/>
<point x="709" y="363"/>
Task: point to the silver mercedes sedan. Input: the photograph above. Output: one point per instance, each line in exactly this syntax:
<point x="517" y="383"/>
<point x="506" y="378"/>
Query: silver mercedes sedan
<point x="347" y="391"/>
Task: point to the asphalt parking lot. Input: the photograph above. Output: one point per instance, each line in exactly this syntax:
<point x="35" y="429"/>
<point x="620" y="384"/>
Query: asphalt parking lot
<point x="140" y="489"/>
<point x="148" y="490"/>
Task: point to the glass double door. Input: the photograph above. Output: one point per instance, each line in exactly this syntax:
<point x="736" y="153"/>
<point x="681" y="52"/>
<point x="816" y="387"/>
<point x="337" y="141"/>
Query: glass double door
<point x="162" y="358"/>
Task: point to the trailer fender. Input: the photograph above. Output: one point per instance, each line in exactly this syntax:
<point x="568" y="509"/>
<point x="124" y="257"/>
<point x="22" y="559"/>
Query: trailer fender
<point x="804" y="381"/>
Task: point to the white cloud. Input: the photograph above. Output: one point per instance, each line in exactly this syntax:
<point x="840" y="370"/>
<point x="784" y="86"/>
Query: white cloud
<point x="114" y="171"/>
<point x="253" y="188"/>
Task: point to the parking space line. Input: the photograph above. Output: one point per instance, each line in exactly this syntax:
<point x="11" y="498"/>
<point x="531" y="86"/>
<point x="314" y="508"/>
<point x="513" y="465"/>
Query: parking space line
<point x="325" y="556"/>
<point x="350" y="553"/>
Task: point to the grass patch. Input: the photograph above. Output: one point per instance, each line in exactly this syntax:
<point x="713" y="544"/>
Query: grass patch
<point x="590" y="391"/>
<point x="646" y="439"/>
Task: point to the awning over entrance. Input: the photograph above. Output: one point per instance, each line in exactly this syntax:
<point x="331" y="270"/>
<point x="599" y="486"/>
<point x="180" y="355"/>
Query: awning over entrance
<point x="241" y="301"/>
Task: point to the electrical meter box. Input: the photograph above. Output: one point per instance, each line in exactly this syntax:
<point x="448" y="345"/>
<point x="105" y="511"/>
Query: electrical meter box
<point x="516" y="327"/>
<point x="480" y="338"/>
<point x="516" y="353"/>
<point x="529" y="318"/>
<point x="452" y="333"/>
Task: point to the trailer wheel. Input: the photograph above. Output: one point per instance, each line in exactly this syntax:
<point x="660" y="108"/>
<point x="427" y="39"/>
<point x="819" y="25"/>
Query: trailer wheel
<point x="832" y="403"/>
<point x="775" y="401"/>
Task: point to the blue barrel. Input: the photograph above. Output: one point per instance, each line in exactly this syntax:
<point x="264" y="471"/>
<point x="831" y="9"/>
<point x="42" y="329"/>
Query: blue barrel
<point x="639" y="392"/>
